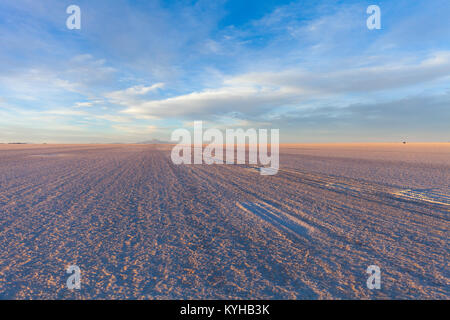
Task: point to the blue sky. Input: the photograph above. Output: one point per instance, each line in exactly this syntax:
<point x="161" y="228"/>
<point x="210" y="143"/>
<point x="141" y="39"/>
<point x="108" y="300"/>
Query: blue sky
<point x="137" y="70"/>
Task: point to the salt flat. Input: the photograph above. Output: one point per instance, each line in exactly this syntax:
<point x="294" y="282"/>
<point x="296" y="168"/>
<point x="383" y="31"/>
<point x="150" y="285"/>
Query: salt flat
<point x="140" y="227"/>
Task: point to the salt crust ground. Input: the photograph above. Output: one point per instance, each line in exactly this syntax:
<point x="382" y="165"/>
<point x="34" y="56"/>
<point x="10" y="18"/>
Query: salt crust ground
<point x="140" y="227"/>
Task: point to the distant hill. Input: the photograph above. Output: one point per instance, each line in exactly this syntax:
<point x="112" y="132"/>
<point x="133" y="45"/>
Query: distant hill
<point x="154" y="141"/>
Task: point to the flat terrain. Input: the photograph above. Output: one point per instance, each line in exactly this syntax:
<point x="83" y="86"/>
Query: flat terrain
<point x="139" y="226"/>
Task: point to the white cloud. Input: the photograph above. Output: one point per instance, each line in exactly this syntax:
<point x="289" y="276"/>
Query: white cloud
<point x="65" y="112"/>
<point x="259" y="92"/>
<point x="83" y="104"/>
<point x="113" y="118"/>
<point x="129" y="95"/>
<point x="81" y="75"/>
<point x="135" y="129"/>
<point x="219" y="101"/>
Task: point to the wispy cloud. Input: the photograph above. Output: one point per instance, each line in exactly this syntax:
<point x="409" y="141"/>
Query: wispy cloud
<point x="311" y="68"/>
<point x="130" y="95"/>
<point x="258" y="93"/>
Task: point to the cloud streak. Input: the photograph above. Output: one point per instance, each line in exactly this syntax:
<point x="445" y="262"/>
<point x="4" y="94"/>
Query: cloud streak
<point x="258" y="93"/>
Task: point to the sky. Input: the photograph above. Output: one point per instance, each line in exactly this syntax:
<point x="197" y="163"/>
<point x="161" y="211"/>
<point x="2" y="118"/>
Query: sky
<point x="137" y="70"/>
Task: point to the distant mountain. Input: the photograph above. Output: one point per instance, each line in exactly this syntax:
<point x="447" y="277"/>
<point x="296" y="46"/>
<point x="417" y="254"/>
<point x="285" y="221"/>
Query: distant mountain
<point x="154" y="141"/>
